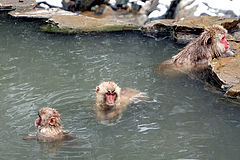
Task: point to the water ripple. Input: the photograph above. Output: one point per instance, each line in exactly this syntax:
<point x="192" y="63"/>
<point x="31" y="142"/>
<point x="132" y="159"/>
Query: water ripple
<point x="147" y="127"/>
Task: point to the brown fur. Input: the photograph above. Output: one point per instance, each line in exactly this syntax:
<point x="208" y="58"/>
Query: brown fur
<point x="49" y="126"/>
<point x="103" y="88"/>
<point x="45" y="130"/>
<point x="202" y="50"/>
<point x="124" y="97"/>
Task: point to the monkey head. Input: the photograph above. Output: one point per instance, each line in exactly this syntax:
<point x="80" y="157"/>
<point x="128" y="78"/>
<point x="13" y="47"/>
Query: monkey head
<point x="214" y="37"/>
<point x="108" y="95"/>
<point x="48" y="123"/>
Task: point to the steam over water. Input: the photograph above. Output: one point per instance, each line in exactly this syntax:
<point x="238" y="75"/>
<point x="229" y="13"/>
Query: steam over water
<point x="181" y="120"/>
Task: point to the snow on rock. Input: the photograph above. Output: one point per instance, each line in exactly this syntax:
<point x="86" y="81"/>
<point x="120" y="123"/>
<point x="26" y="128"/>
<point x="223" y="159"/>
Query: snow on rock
<point x="222" y="8"/>
<point x="50" y="3"/>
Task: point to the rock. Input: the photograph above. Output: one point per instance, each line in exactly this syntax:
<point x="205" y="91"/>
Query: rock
<point x="183" y="38"/>
<point x="156" y="28"/>
<point x="110" y="14"/>
<point x="195" y="8"/>
<point x="191" y="26"/>
<point x="237" y="35"/>
<point x="227" y="70"/>
<point x="233" y="92"/>
<point x="234" y="45"/>
<point x="191" y="23"/>
<point x="77" y="5"/>
<point x="16" y="4"/>
<point x="80" y="23"/>
<point x="39" y="13"/>
<point x="236" y="32"/>
<point x="87" y="4"/>
<point x="158" y="8"/>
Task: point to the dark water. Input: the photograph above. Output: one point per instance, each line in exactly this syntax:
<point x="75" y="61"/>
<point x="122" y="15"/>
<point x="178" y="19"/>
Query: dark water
<point x="181" y="120"/>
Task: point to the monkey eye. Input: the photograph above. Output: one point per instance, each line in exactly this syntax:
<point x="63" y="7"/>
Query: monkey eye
<point x="223" y="37"/>
<point x="108" y="93"/>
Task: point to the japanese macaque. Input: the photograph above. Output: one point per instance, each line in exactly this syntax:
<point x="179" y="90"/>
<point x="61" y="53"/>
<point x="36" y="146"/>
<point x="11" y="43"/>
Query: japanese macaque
<point x="49" y="126"/>
<point x="111" y="100"/>
<point x="211" y="44"/>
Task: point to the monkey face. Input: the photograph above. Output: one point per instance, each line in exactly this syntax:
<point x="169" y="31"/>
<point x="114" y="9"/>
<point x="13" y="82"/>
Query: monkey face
<point x="110" y="98"/>
<point x="108" y="95"/>
<point x="38" y="120"/>
<point x="224" y="42"/>
<point x="221" y="46"/>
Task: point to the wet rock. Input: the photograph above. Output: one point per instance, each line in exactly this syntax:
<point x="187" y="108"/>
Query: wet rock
<point x="192" y="26"/>
<point x="39" y="13"/>
<point x="80" y="23"/>
<point x="233" y="92"/>
<point x="237" y="35"/>
<point x="236" y="32"/>
<point x="227" y="70"/>
<point x="195" y="8"/>
<point x="234" y="45"/>
<point x="16" y="4"/>
<point x="159" y="28"/>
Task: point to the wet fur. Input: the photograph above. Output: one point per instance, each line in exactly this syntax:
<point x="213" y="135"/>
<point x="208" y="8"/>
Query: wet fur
<point x="45" y="131"/>
<point x="124" y="97"/>
<point x="202" y="50"/>
<point x="49" y="132"/>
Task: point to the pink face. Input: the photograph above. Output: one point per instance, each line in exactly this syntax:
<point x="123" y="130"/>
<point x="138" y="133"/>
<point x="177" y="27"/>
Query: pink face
<point x="110" y="98"/>
<point x="38" y="121"/>
<point x="225" y="43"/>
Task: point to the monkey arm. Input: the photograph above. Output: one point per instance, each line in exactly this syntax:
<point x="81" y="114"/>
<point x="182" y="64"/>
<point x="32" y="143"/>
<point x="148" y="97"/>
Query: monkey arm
<point x="30" y="138"/>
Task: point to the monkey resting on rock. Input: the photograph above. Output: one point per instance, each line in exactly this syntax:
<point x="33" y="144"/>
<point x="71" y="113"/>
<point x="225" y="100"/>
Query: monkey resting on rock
<point x="200" y="52"/>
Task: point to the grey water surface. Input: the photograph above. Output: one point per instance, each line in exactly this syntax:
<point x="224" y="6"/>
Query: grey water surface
<point x="181" y="120"/>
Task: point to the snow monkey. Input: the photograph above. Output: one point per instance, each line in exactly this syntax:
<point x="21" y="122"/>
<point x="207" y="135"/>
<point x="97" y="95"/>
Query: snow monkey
<point x="111" y="100"/>
<point x="49" y="126"/>
<point x="211" y="44"/>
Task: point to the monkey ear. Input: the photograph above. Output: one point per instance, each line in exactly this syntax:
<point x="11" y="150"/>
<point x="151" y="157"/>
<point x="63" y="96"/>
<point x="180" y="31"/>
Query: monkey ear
<point x="97" y="89"/>
<point x="52" y="121"/>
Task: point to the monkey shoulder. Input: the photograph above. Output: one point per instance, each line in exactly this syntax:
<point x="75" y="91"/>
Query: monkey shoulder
<point x="67" y="136"/>
<point x="129" y="92"/>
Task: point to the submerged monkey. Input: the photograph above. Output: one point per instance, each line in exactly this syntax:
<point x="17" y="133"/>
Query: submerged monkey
<point x="49" y="126"/>
<point x="111" y="100"/>
<point x="200" y="52"/>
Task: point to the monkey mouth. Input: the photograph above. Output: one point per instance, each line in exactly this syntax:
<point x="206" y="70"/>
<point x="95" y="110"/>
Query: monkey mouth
<point x="110" y="104"/>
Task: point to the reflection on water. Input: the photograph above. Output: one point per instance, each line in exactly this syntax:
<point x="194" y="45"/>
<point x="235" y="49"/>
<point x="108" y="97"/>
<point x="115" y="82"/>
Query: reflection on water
<point x="181" y="120"/>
